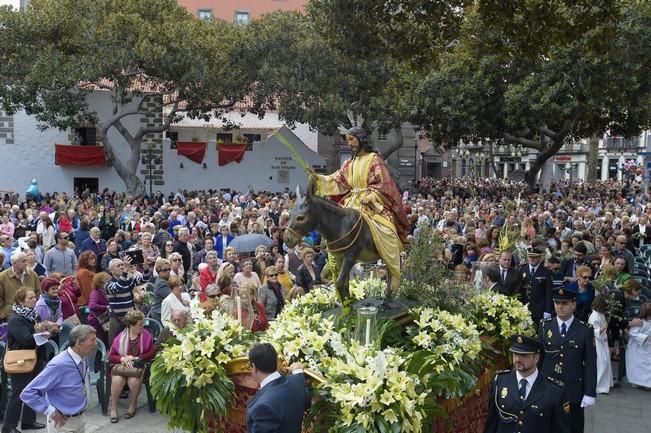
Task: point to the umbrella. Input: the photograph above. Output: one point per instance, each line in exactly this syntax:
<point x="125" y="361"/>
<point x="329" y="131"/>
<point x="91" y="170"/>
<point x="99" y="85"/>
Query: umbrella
<point x="248" y="243"/>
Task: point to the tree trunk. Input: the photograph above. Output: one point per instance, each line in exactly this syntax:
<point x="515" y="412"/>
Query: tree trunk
<point x="550" y="148"/>
<point x="135" y="186"/>
<point x="593" y="158"/>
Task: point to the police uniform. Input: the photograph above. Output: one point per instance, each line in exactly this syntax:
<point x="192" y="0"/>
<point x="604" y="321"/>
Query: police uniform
<point x="537" y="288"/>
<point x="570" y="359"/>
<point x="544" y="410"/>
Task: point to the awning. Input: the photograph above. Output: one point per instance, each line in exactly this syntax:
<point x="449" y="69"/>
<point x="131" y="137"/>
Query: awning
<point x="79" y="156"/>
<point x="231" y="152"/>
<point x="194" y="151"/>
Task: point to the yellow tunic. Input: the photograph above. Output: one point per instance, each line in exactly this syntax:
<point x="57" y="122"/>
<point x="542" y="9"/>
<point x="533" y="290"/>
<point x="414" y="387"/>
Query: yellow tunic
<point x="352" y="180"/>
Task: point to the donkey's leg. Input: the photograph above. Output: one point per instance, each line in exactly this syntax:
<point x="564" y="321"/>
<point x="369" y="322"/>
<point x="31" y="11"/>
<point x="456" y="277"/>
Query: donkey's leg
<point x="342" y="283"/>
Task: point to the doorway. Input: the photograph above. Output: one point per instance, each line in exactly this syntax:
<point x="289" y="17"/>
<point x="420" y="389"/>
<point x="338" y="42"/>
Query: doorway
<point x="82" y="184"/>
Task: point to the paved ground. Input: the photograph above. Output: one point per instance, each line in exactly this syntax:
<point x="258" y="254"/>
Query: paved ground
<point x="624" y="410"/>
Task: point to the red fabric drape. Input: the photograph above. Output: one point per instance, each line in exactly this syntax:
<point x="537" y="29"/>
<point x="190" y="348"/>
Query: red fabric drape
<point x="79" y="156"/>
<point x="231" y="152"/>
<point x="194" y="151"/>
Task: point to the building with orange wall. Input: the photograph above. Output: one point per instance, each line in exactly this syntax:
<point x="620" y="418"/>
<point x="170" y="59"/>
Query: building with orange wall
<point x="239" y="10"/>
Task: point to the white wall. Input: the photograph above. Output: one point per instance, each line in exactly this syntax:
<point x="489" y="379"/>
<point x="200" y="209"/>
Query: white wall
<point x="33" y="154"/>
<point x="14" y="3"/>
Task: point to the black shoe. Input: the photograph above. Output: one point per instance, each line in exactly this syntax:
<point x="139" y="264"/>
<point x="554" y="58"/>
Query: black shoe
<point x="13" y="430"/>
<point x="32" y="426"/>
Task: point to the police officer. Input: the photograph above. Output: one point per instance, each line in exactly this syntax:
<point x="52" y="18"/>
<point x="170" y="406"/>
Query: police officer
<point x="536" y="286"/>
<point x="570" y="355"/>
<point x="524" y="400"/>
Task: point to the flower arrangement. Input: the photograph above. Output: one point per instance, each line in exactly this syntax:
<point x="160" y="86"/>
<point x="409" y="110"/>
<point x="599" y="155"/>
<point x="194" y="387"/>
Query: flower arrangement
<point x="500" y="316"/>
<point x="188" y="378"/>
<point x="633" y="167"/>
<point x="371" y="391"/>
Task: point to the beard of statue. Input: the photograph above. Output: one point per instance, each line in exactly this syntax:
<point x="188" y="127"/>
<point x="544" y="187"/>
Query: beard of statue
<point x="354" y="144"/>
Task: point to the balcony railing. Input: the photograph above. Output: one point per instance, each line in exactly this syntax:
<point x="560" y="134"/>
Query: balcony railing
<point x="618" y="142"/>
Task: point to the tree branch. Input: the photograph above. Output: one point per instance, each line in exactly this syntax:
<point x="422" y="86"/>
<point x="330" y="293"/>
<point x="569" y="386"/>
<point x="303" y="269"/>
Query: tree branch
<point x="532" y="144"/>
<point x="397" y="144"/>
<point x="155" y="129"/>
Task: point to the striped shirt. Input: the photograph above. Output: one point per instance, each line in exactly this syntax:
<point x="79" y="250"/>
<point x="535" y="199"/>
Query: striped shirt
<point x="119" y="292"/>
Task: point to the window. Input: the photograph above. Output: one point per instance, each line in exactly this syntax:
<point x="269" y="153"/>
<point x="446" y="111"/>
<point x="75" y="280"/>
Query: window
<point x="250" y="139"/>
<point x="87" y="136"/>
<point x="283" y="176"/>
<point x="381" y="136"/>
<point x="204" y="14"/>
<point x="241" y="17"/>
<point x="174" y="137"/>
<point x="224" y="138"/>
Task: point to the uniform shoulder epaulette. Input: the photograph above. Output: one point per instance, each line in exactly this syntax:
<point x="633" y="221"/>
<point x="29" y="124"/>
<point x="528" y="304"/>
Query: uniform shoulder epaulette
<point x="555" y="381"/>
<point x="502" y="372"/>
<point x="546" y="319"/>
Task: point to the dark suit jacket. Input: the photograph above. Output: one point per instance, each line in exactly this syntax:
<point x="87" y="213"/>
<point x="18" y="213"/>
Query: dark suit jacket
<point x="304" y="279"/>
<point x="646" y="236"/>
<point x="512" y="282"/>
<point x="536" y="290"/>
<point x="567" y="267"/>
<point x="546" y="409"/>
<point x="572" y="360"/>
<point x="279" y="406"/>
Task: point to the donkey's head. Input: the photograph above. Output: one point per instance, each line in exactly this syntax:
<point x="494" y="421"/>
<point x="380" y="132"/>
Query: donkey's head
<point x="303" y="218"/>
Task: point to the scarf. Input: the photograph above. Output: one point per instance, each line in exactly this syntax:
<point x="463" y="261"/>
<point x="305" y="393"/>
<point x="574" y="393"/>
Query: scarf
<point x="54" y="305"/>
<point x="278" y="291"/>
<point x="121" y="342"/>
<point x="26" y="312"/>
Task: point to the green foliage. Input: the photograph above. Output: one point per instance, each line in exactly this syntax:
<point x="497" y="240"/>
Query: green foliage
<point x="426" y="278"/>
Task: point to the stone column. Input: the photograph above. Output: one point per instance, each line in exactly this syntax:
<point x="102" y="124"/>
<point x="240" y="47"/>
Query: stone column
<point x="153" y="118"/>
<point x="604" y="167"/>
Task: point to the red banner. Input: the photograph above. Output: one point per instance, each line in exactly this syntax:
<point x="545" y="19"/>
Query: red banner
<point x="194" y="151"/>
<point x="231" y="152"/>
<point x="79" y="156"/>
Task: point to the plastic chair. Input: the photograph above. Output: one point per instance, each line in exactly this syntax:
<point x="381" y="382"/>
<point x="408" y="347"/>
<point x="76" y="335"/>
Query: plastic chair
<point x="154" y="327"/>
<point x="64" y="335"/>
<point x="101" y="378"/>
<point x="4" y="382"/>
<point x="51" y="350"/>
<point x="84" y="311"/>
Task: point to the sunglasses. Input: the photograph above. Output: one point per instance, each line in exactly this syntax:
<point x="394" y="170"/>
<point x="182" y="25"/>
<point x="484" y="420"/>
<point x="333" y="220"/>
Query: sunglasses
<point x="273" y="275"/>
<point x="176" y="260"/>
<point x="164" y="270"/>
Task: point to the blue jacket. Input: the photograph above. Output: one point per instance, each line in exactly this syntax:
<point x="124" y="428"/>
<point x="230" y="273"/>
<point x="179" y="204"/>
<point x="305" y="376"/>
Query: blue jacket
<point x="219" y="244"/>
<point x="279" y="406"/>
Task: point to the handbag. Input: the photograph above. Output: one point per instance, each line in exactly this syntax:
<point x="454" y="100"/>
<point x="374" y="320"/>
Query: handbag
<point x="123" y="371"/>
<point x="74" y="319"/>
<point x="19" y="361"/>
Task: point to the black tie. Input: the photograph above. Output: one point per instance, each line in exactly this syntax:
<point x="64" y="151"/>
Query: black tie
<point x="503" y="275"/>
<point x="563" y="329"/>
<point x="523" y="388"/>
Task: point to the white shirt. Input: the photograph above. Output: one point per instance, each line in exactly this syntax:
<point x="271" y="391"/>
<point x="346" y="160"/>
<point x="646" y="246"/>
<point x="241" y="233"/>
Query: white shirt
<point x="275" y="375"/>
<point x="530" y="381"/>
<point x="568" y="323"/>
<point x="170" y="303"/>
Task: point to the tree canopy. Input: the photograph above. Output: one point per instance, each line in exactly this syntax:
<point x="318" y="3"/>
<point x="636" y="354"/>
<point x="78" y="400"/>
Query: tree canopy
<point x="58" y="51"/>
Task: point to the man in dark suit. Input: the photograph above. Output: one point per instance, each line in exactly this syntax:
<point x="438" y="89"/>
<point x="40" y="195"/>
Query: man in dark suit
<point x="509" y="277"/>
<point x="570" y="355"/>
<point x="569" y="266"/>
<point x="536" y="286"/>
<point x="641" y="232"/>
<point x="524" y="400"/>
<point x="282" y="400"/>
<point x="491" y="281"/>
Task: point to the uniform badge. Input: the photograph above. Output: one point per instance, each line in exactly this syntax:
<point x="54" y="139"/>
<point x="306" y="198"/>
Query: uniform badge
<point x="504" y="392"/>
<point x="560" y="291"/>
<point x="524" y="275"/>
<point x="558" y="369"/>
<point x="519" y="339"/>
<point x="549" y="333"/>
<point x="566" y="407"/>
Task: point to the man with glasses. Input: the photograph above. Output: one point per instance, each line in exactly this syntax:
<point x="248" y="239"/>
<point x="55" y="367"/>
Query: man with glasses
<point x="570" y="355"/>
<point x="60" y="259"/>
<point x="569" y="266"/>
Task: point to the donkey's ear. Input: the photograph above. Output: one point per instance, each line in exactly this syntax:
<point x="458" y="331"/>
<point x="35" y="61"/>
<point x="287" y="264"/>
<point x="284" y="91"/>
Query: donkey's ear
<point x="311" y="187"/>
<point x="299" y="192"/>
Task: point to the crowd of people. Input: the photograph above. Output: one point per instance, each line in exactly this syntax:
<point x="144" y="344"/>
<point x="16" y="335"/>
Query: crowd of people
<point x="119" y="258"/>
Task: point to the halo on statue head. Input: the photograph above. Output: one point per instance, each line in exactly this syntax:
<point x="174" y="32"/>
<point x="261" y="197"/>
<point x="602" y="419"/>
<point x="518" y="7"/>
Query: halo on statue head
<point x="357" y="130"/>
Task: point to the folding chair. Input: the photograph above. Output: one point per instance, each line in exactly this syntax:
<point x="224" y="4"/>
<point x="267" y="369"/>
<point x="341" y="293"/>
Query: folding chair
<point x="101" y="378"/>
<point x="4" y="382"/>
<point x="51" y="350"/>
<point x="65" y="334"/>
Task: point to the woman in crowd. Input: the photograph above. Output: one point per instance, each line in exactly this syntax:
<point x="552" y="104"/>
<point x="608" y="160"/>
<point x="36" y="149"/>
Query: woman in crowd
<point x="129" y="351"/>
<point x="32" y="264"/>
<point x="69" y="294"/>
<point x="208" y="274"/>
<point x="20" y="226"/>
<point x="85" y="272"/>
<point x="21" y="327"/>
<point x="107" y="224"/>
<point x="585" y="292"/>
<point x="252" y="313"/>
<point x="306" y="275"/>
<point x="163" y="269"/>
<point x="633" y="299"/>
<point x="173" y="301"/>
<point x="168" y="249"/>
<point x="606" y="256"/>
<point x="47" y="233"/>
<point x="99" y="306"/>
<point x="7" y="227"/>
<point x="48" y="306"/>
<point x="81" y="234"/>
<point x="262" y="260"/>
<point x="227" y="269"/>
<point x="623" y="274"/>
<point x="284" y="277"/>
<point x="112" y="252"/>
<point x="149" y="250"/>
<point x="271" y="295"/>
<point x="176" y="265"/>
<point x="247" y="276"/>
<point x="638" y="350"/>
<point x="600" y="326"/>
